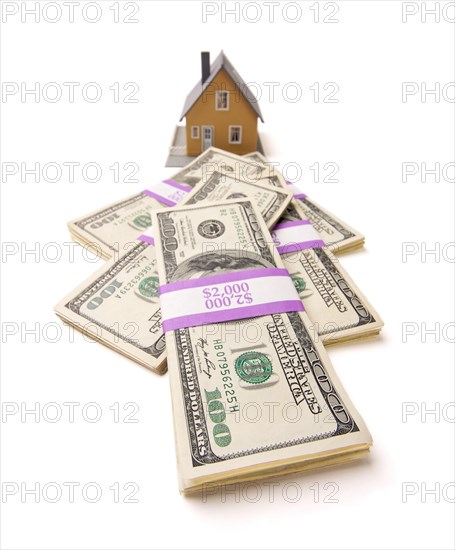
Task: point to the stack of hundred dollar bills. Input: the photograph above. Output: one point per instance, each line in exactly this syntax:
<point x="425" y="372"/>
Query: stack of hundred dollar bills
<point x="228" y="276"/>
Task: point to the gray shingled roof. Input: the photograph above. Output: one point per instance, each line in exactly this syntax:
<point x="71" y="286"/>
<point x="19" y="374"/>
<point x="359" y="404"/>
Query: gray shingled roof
<point x="221" y="62"/>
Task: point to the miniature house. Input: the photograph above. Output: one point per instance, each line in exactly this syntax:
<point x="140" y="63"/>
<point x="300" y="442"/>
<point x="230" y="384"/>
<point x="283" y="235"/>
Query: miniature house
<point x="220" y="110"/>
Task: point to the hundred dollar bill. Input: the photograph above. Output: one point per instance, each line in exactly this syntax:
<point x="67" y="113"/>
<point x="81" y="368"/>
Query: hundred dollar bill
<point x="338" y="235"/>
<point x="238" y="167"/>
<point x="222" y="364"/>
<point x="254" y="167"/>
<point x="339" y="312"/>
<point x="271" y="202"/>
<point x="119" y="304"/>
<point x="114" y="229"/>
<point x="119" y="307"/>
<point x="257" y="157"/>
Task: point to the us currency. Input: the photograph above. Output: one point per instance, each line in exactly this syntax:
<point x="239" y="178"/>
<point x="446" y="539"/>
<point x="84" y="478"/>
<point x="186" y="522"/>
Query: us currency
<point x="271" y="202"/>
<point x="238" y="167"/>
<point x="218" y="371"/>
<point x="338" y="235"/>
<point x="338" y="310"/>
<point x="119" y="304"/>
<point x="113" y="229"/>
<point x="119" y="307"/>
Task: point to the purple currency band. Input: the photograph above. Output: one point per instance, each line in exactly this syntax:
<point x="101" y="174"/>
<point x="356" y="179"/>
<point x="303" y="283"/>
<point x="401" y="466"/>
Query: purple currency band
<point x="159" y="198"/>
<point x="225" y="315"/>
<point x="180" y="186"/>
<point x="165" y="200"/>
<point x="300" y="245"/>
<point x="146" y="239"/>
<point x="231" y="277"/>
<point x="297" y="195"/>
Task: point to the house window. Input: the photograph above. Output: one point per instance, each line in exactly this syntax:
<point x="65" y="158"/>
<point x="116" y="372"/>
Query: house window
<point x="195" y="132"/>
<point x="235" y="134"/>
<point x="222" y="100"/>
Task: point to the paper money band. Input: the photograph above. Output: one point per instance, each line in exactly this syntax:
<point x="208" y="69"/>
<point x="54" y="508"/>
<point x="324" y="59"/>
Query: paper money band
<point x="147" y="237"/>
<point x="297" y="193"/>
<point x="296" y="235"/>
<point x="168" y="192"/>
<point x="227" y="297"/>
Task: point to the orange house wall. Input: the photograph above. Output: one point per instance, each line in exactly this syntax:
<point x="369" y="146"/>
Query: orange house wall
<point x="240" y="113"/>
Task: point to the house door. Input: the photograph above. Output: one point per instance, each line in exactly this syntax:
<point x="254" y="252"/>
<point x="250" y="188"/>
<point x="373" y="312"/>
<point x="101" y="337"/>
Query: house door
<point x="207" y="137"/>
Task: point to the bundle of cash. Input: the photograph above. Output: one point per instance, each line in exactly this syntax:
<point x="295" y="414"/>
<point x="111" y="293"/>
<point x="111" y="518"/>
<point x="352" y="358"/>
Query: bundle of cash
<point x="113" y="229"/>
<point x="131" y="322"/>
<point x="233" y="346"/>
<point x="272" y="202"/>
<point x="119" y="305"/>
<point x="338" y="236"/>
<point x="241" y="168"/>
<point x="338" y="310"/>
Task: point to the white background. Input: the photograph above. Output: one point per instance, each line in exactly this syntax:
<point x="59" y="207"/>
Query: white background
<point x="369" y="133"/>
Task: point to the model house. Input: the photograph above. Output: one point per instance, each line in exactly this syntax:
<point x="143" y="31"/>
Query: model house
<point x="220" y="110"/>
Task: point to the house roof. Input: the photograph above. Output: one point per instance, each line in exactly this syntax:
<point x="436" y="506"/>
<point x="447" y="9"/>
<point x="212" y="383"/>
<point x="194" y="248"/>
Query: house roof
<point x="221" y="62"/>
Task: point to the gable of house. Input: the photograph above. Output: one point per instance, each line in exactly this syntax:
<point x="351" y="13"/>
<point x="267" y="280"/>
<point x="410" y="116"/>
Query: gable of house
<point x="234" y="127"/>
<point x="221" y="63"/>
